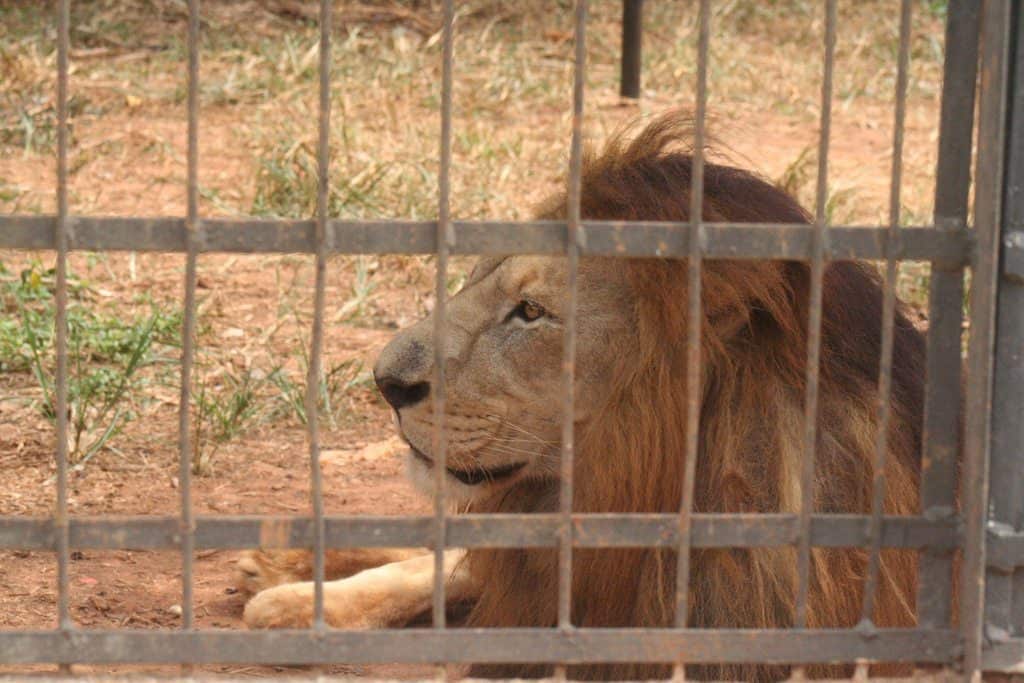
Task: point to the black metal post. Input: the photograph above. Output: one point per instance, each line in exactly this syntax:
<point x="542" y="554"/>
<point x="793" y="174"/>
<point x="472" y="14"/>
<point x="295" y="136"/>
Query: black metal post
<point x="988" y="217"/>
<point x="632" y="31"/>
<point x="1004" y="583"/>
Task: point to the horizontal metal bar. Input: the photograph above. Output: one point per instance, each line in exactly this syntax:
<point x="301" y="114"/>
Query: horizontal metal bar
<point x="1006" y="656"/>
<point x="601" y="238"/>
<point x="946" y="675"/>
<point x="472" y="531"/>
<point x="1004" y="549"/>
<point x="477" y="645"/>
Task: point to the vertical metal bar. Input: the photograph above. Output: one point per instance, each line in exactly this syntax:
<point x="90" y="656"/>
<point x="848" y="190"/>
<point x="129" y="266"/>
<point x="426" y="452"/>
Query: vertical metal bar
<point x="1004" y="587"/>
<point x="942" y="405"/>
<point x="323" y="161"/>
<point x="61" y="322"/>
<point x="892" y="249"/>
<point x="632" y="40"/>
<point x="819" y="248"/>
<point x="445" y="243"/>
<point x="995" y="26"/>
<point x="573" y="238"/>
<point x="187" y="529"/>
<point x="693" y="330"/>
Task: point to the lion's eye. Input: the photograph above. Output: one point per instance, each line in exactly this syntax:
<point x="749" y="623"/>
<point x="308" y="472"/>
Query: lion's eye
<point x="528" y="310"/>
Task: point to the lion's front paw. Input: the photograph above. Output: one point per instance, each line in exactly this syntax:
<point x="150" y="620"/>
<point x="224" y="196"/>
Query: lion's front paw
<point x="258" y="570"/>
<point x="287" y="606"/>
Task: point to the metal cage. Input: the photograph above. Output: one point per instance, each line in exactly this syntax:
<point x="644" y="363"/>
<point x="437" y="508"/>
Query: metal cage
<point x="982" y="46"/>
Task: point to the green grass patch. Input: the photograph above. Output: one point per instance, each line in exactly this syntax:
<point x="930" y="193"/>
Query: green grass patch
<point x="106" y="353"/>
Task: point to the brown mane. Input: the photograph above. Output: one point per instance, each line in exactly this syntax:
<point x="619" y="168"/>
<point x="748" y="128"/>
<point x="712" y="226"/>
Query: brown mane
<point x="754" y="335"/>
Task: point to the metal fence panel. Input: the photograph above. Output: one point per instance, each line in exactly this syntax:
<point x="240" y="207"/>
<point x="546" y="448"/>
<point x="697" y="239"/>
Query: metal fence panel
<point x="938" y="531"/>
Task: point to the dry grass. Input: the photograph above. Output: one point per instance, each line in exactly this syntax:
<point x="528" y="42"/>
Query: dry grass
<point x="511" y="98"/>
<point x="512" y="122"/>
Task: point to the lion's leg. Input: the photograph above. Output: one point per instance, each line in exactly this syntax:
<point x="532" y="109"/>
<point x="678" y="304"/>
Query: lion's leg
<point x="386" y="596"/>
<point x="258" y="570"/>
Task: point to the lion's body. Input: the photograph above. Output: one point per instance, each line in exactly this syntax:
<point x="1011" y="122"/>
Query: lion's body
<point x="751" y="429"/>
<point x="630" y="423"/>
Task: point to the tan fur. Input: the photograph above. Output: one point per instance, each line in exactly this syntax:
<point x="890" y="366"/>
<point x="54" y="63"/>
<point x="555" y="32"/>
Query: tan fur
<point x="387" y="595"/>
<point x="257" y="570"/>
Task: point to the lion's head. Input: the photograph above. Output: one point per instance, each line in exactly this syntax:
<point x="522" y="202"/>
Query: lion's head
<point x="503" y="371"/>
<point x="504" y="386"/>
<point x="505" y="333"/>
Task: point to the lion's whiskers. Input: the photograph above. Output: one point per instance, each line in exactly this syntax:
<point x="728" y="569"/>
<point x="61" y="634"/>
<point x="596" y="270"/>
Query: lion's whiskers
<point x="527" y="432"/>
<point x="503" y="449"/>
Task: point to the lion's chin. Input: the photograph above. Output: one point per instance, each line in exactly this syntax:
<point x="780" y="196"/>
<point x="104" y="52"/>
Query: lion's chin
<point x="463" y="485"/>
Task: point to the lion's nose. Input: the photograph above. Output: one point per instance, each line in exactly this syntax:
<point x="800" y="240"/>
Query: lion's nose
<point x="399" y="393"/>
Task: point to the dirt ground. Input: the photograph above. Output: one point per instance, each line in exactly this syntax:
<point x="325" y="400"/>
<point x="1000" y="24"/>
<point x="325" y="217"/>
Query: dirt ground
<point x="263" y="471"/>
<point x="511" y="145"/>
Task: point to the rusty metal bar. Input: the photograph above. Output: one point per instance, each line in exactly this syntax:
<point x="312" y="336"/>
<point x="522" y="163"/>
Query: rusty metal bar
<point x="941" y="433"/>
<point x="996" y="22"/>
<point x="888" y="320"/>
<point x="572" y="244"/>
<point x="61" y="237"/>
<point x="600" y="238"/>
<point x="694" y="315"/>
<point x="425" y="645"/>
<point x="724" y="530"/>
<point x="186" y="522"/>
<point x="818" y="256"/>
<point x="1004" y="551"/>
<point x="445" y="239"/>
<point x="632" y="40"/>
<point x="323" y="166"/>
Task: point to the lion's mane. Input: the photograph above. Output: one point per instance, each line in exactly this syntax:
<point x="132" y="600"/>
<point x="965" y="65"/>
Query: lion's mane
<point x="630" y="458"/>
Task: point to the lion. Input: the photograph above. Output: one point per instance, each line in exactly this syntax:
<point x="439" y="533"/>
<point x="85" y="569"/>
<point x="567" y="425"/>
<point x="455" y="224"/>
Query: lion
<point x="503" y="420"/>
